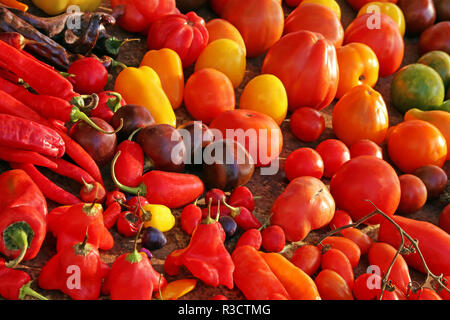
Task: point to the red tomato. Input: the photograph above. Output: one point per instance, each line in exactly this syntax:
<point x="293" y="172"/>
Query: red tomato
<point x="424" y="294"/>
<point x="139" y="15"/>
<point x="334" y="154"/>
<point x="332" y="286"/>
<point x="444" y="219"/>
<point x="316" y="18"/>
<point x="366" y="147"/>
<point x="303" y="162"/>
<point x="273" y="238"/>
<point x="368" y="287"/>
<point x="208" y="93"/>
<point x="364" y="179"/>
<point x="347" y="246"/>
<point x="218" y="5"/>
<point x="310" y="73"/>
<point x="444" y="293"/>
<point x="413" y="194"/>
<point x="307" y="258"/>
<point x="336" y="260"/>
<point x="340" y="219"/>
<point x="359" y="237"/>
<point x="358" y="4"/>
<point x="259" y="133"/>
<point x="384" y="39"/>
<point x="416" y="143"/>
<point x="260" y="23"/>
<point x="307" y="124"/>
<point x="436" y="37"/>
<point x="185" y="34"/>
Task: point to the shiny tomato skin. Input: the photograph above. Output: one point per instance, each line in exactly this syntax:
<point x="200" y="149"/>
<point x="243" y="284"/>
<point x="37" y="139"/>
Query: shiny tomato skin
<point x="419" y="15"/>
<point x="424" y="294"/>
<point x="303" y="162"/>
<point x="336" y="260"/>
<point x="444" y="219"/>
<point x="436" y="37"/>
<point x="222" y="29"/>
<point x="307" y="258"/>
<point x="367" y="286"/>
<point x="340" y="219"/>
<point x="413" y="194"/>
<point x="359" y="237"/>
<point x="347" y="246"/>
<point x="334" y="154"/>
<point x="365" y="147"/>
<point x="332" y="286"/>
<point x="307" y="124"/>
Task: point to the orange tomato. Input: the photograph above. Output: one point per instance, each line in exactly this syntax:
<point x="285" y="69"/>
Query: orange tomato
<point x="416" y="143"/>
<point x="332" y="4"/>
<point x="220" y="29"/>
<point x="358" y="64"/>
<point x="208" y="93"/>
<point x="360" y="114"/>
<point x="391" y="9"/>
<point x="316" y="18"/>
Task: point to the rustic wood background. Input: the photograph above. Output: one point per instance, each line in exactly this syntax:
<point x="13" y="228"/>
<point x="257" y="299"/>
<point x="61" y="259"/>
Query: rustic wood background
<point x="268" y="187"/>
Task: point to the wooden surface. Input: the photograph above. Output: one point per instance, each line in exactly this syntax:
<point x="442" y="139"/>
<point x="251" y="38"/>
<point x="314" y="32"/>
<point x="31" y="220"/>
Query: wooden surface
<point x="268" y="187"/>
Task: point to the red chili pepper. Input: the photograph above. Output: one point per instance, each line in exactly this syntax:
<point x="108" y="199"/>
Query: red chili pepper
<point x="47" y="187"/>
<point x="243" y="217"/>
<point x="109" y="102"/>
<point x="23" y="156"/>
<point x="76" y="270"/>
<point x="115" y="196"/>
<point x="88" y="75"/>
<point x="14" y="107"/>
<point x="42" y="79"/>
<point x="70" y="226"/>
<point x="130" y="164"/>
<point x="16" y="284"/>
<point x="14" y="39"/>
<point x="92" y="192"/>
<point x="223" y="211"/>
<point x="205" y="257"/>
<point x="23" y="212"/>
<point x="172" y="189"/>
<point x="251" y="237"/>
<point x="68" y="169"/>
<point x="215" y="195"/>
<point x="111" y="214"/>
<point x="273" y="238"/>
<point x="242" y="197"/>
<point x="128" y="224"/>
<point x="134" y="206"/>
<point x="219" y="297"/>
<point x="190" y="217"/>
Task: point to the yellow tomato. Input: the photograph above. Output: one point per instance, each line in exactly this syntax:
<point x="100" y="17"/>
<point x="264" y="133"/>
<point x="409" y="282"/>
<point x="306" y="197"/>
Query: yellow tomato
<point x="332" y="4"/>
<point x="167" y="64"/>
<point x="224" y="55"/>
<point x="388" y="8"/>
<point x="265" y="93"/>
<point x="222" y="29"/>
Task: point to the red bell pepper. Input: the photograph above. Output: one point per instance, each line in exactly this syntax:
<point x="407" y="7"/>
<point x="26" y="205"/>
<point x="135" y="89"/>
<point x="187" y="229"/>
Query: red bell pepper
<point x="16" y="284"/>
<point x="76" y="270"/>
<point x="70" y="226"/>
<point x="23" y="212"/>
<point x="171" y="189"/>
<point x="205" y="257"/>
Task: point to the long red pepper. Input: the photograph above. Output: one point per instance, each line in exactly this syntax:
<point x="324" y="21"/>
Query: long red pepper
<point x="29" y="135"/>
<point x="42" y="79"/>
<point x="69" y="170"/>
<point x="23" y="156"/>
<point x="48" y="187"/>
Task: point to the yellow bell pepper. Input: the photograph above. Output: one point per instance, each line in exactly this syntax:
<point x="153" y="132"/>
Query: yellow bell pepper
<point x="388" y="8"/>
<point x="55" y="7"/>
<point x="157" y="216"/>
<point x="167" y="64"/>
<point x="176" y="289"/>
<point x="142" y="86"/>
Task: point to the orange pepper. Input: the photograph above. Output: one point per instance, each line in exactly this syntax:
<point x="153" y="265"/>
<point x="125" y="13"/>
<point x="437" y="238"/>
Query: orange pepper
<point x="167" y="64"/>
<point x="298" y="284"/>
<point x="15" y="4"/>
<point x="176" y="289"/>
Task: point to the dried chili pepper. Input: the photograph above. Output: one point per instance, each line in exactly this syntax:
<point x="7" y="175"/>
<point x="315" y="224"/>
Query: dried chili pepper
<point x="76" y="270"/>
<point x="16" y="284"/>
<point x="14" y="39"/>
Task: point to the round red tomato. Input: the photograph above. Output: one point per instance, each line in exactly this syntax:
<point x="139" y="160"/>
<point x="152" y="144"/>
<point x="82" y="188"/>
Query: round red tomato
<point x="185" y="34"/>
<point x="207" y="94"/>
<point x="382" y="35"/>
<point x="416" y="143"/>
<point x="303" y="162"/>
<point x="307" y="124"/>
<point x="364" y="179"/>
<point x="310" y="73"/>
<point x="259" y="133"/>
<point x="365" y="147"/>
<point x="444" y="219"/>
<point x="413" y="194"/>
<point x="334" y="154"/>
<point x="436" y="37"/>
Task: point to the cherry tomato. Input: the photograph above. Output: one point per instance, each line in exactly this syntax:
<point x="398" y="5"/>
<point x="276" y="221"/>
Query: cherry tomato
<point x="365" y="147"/>
<point x="340" y="219"/>
<point x="89" y="75"/>
<point x="444" y="219"/>
<point x="336" y="260"/>
<point x="208" y="93"/>
<point x="332" y="286"/>
<point x="304" y="162"/>
<point x="444" y="293"/>
<point x="334" y="154"/>
<point x="226" y="56"/>
<point x="434" y="178"/>
<point x="413" y="194"/>
<point x="364" y="179"/>
<point x="363" y="241"/>
<point x="190" y="217"/>
<point x="215" y="195"/>
<point x="424" y="294"/>
<point x="307" y="258"/>
<point x="367" y="286"/>
<point x="222" y="29"/>
<point x="347" y="246"/>
<point x="307" y="124"/>
<point x="416" y="143"/>
<point x="273" y="238"/>
<point x="265" y="93"/>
